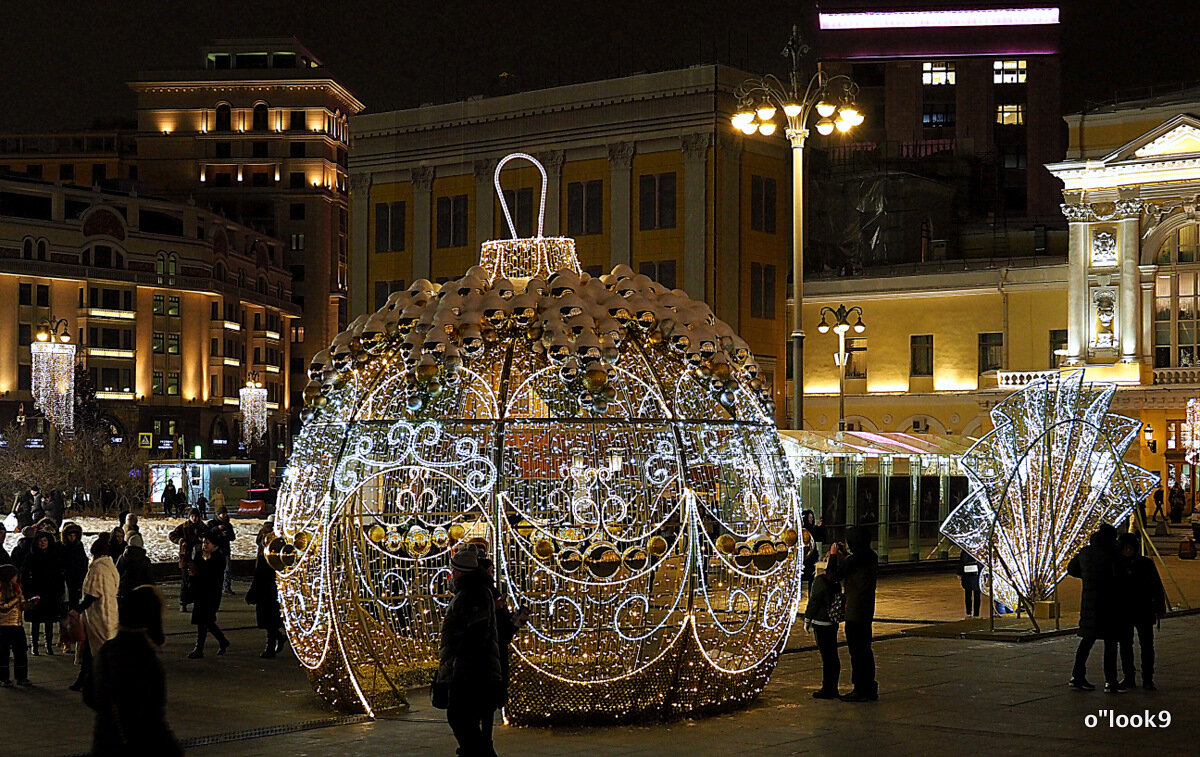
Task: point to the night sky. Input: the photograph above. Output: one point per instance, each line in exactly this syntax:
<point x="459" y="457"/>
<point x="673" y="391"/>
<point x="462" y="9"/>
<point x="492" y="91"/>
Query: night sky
<point x="65" y="62"/>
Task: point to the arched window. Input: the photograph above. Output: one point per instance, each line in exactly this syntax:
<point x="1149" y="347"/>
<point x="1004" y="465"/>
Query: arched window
<point x="41" y="249"/>
<point x="224" y="117"/>
<point x="260" y="117"/>
<point x="27" y="249"/>
<point x="160" y="266"/>
<point x="103" y="256"/>
<point x="1176" y="343"/>
<point x="172" y="264"/>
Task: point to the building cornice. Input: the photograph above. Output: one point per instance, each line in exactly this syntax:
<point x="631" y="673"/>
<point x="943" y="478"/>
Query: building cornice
<point x="251" y="85"/>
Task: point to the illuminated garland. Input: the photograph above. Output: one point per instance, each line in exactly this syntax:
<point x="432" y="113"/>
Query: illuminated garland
<point x="1192" y="442"/>
<point x="1049" y="473"/>
<point x="252" y="401"/>
<point x="610" y="443"/>
<point x="53" y="387"/>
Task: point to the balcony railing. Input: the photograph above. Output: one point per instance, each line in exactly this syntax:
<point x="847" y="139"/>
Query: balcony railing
<point x="1176" y="376"/>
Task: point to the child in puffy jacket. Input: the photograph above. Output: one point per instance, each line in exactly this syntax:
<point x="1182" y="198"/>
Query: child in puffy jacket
<point x="12" y="627"/>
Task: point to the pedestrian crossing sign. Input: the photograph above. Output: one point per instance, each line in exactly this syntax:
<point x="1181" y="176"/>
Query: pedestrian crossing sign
<point x="145" y="440"/>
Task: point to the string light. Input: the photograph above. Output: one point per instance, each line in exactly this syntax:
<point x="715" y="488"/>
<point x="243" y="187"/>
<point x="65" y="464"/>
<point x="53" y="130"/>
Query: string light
<point x="53" y="374"/>
<point x="252" y="401"/>
<point x="1192" y="442"/>
<point x="606" y="440"/>
<point x="1043" y="480"/>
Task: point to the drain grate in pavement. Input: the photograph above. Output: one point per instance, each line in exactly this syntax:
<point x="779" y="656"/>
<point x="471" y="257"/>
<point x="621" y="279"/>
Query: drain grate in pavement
<point x="265" y="732"/>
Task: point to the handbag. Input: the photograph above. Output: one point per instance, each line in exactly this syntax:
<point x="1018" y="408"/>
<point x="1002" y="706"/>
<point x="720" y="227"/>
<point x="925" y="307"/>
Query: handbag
<point x="71" y="628"/>
<point x="439" y="693"/>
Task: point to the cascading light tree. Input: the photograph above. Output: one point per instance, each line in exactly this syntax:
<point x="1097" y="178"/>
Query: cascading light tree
<point x="1043" y="480"/>
<point x="606" y="439"/>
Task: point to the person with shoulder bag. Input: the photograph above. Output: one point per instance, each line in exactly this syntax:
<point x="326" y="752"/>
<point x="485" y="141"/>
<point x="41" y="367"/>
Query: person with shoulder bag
<point x="825" y="611"/>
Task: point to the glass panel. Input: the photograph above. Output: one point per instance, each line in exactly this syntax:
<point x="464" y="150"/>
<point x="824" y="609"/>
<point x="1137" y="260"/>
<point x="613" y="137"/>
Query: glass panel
<point x="1187" y="357"/>
<point x="1164" y="254"/>
<point x="1187" y="235"/>
<point x="1162" y="357"/>
<point x="1162" y="334"/>
<point x="1162" y="309"/>
<point x="1187" y="334"/>
<point x="833" y="507"/>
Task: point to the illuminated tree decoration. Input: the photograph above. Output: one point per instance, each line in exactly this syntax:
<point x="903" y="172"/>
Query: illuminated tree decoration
<point x="1192" y="442"/>
<point x="53" y="374"/>
<point x="1049" y="473"/>
<point x="252" y="401"/>
<point x="610" y="443"/>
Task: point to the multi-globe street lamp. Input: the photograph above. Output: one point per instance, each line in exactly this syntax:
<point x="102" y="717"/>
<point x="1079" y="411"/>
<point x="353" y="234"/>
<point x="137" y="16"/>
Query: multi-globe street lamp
<point x="833" y="99"/>
<point x="841" y="324"/>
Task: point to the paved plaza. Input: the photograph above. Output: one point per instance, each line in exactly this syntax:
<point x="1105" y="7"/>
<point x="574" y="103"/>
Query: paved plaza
<point x="950" y="695"/>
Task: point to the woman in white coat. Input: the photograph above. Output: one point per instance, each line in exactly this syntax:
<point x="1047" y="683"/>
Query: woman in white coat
<point x="98" y="609"/>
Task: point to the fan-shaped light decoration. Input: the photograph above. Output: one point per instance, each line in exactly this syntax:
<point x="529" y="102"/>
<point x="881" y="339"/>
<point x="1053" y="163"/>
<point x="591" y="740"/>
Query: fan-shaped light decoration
<point x="252" y="401"/>
<point x="606" y="439"/>
<point x="1192" y="442"/>
<point x="53" y="374"/>
<point x="1049" y="473"/>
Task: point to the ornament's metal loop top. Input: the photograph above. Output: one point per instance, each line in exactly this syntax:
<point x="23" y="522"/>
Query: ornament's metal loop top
<point x="500" y="192"/>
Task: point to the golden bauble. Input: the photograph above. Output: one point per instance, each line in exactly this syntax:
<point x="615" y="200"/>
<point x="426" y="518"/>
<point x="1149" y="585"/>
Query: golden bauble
<point x="790" y="536"/>
<point x="725" y="544"/>
<point x="657" y="546"/>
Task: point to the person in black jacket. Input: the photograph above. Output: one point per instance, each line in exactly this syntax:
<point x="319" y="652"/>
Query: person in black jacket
<point x="207" y="569"/>
<point x="825" y="629"/>
<point x="168" y="498"/>
<point x="24" y="546"/>
<point x="221" y="526"/>
<point x="1143" y="603"/>
<point x="968" y="573"/>
<point x="264" y="595"/>
<point x="469" y="656"/>
<point x="56" y="507"/>
<point x="129" y="689"/>
<point x="858" y="573"/>
<point x="187" y="536"/>
<point x="75" y="563"/>
<point x="1096" y="566"/>
<point x="134" y="567"/>
<point x="507" y="623"/>
<point x="42" y="576"/>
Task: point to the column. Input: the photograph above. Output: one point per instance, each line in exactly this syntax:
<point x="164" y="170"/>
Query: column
<point x="727" y="228"/>
<point x="1077" y="304"/>
<point x="485" y="206"/>
<point x="620" y="159"/>
<point x="422" y="181"/>
<point x="360" y="243"/>
<point x="1129" y="248"/>
<point x="695" y="214"/>
<point x="553" y="161"/>
<point x="1147" y="314"/>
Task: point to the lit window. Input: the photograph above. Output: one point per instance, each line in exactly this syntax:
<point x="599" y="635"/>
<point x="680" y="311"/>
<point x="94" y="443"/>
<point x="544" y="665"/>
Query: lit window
<point x="920" y="355"/>
<point x="937" y="72"/>
<point x="1010" y="114"/>
<point x="938" y="115"/>
<point x="856" y="357"/>
<point x="1008" y="72"/>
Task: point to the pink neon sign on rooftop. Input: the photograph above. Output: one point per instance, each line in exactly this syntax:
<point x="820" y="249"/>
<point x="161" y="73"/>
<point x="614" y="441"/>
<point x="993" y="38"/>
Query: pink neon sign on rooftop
<point x="928" y="19"/>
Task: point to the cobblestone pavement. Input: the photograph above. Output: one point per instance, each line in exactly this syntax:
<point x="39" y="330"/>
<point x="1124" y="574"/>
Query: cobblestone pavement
<point x="950" y="695"/>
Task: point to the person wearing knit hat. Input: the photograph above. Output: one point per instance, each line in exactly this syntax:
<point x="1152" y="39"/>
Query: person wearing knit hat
<point x="469" y="677"/>
<point x="134" y="567"/>
<point x="129" y="688"/>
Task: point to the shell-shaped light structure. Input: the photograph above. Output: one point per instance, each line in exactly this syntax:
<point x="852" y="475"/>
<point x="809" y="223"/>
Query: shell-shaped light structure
<point x="1050" y="472"/>
<point x="605" y="439"/>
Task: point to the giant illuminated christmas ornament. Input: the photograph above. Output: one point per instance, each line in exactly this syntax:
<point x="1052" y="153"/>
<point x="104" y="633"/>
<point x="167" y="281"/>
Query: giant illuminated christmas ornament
<point x="606" y="439"/>
<point x="1049" y="473"/>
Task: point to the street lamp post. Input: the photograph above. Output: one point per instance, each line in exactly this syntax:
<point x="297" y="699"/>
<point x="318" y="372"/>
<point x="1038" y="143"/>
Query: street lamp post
<point x="841" y="324"/>
<point x="833" y="99"/>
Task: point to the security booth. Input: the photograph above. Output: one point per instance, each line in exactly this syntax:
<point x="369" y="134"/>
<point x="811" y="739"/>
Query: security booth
<point x="903" y="485"/>
<point x="196" y="477"/>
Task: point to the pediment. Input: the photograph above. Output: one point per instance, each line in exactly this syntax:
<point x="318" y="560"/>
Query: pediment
<point x="1179" y="136"/>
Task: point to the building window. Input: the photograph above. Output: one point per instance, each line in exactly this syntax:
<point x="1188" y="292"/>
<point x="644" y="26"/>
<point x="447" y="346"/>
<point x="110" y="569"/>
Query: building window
<point x="384" y="289"/>
<point x="1058" y="347"/>
<point x="297" y="242"/>
<point x="937" y="115"/>
<point x="296" y="180"/>
<point x="25" y="294"/>
<point x="520" y="207"/>
<point x="937" y="72"/>
<point x="296" y="150"/>
<point x="173" y="384"/>
<point x="173" y="306"/>
<point x="296" y="121"/>
<point x="389" y="226"/>
<point x="156" y="383"/>
<point x="657" y="201"/>
<point x="43" y="296"/>
<point x="172" y="344"/>
<point x="585" y="208"/>
<point x="1008" y="72"/>
<point x="296" y="211"/>
<point x="1013" y="157"/>
<point x="991" y="351"/>
<point x="298" y="334"/>
<point x="1176" y="341"/>
<point x="157" y="342"/>
<point x="224" y="118"/>
<point x="24" y="334"/>
<point x="1010" y="114"/>
<point x="762" y="291"/>
<point x="662" y="271"/>
<point x="259" y="122"/>
<point x="258" y="149"/>
<point x="856" y="357"/>
<point x="159" y="304"/>
<point x="762" y="204"/>
<point x="452" y="221"/>
<point x="920" y="355"/>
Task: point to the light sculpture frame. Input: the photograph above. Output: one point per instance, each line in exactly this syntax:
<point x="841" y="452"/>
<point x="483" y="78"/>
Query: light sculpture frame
<point x="1043" y="480"/>
<point x="605" y="439"/>
<point x="833" y="98"/>
<point x="1192" y="445"/>
<point x="252" y="402"/>
<point x="53" y="373"/>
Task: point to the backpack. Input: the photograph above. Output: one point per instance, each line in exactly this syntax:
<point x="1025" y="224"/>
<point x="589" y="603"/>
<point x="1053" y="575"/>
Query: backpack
<point x="837" y="607"/>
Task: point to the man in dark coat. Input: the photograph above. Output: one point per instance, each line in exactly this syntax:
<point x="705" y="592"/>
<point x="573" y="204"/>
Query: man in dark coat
<point x="858" y="573"/>
<point x="207" y="568"/>
<point x="264" y="595"/>
<point x="24" y="545"/>
<point x="1143" y="603"/>
<point x="168" y="498"/>
<point x="1096" y="566"/>
<point x="187" y="536"/>
<point x="37" y="504"/>
<point x="968" y="574"/>
<point x="75" y="563"/>
<point x="134" y="567"/>
<point x="129" y="689"/>
<point x="1178" y="500"/>
<point x="24" y="510"/>
<point x="223" y="529"/>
